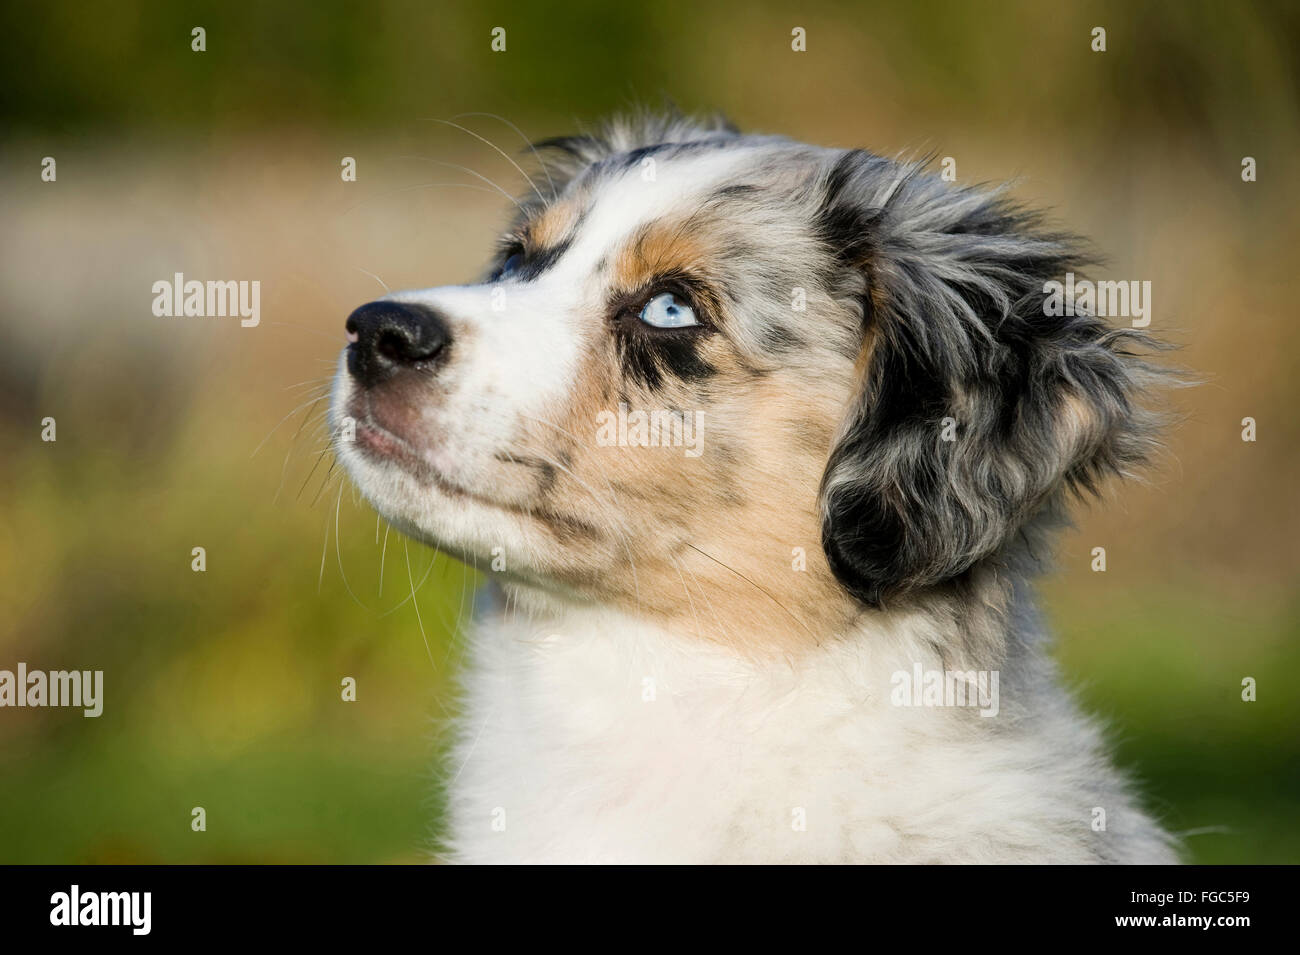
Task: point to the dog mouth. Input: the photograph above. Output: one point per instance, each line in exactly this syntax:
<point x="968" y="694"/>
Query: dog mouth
<point x="383" y="446"/>
<point x="380" y="445"/>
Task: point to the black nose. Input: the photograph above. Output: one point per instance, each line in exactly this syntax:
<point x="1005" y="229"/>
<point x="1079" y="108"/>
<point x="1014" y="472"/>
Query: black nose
<point x="389" y="336"/>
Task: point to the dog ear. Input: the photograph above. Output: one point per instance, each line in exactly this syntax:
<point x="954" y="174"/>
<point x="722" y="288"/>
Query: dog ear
<point x="977" y="405"/>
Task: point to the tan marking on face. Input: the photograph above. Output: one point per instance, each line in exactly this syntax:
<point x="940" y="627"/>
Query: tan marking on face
<point x="658" y="249"/>
<point x="552" y="226"/>
<point x="707" y="544"/>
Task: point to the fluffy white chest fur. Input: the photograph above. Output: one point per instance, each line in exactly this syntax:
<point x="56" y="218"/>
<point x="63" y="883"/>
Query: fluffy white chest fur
<point x="590" y="737"/>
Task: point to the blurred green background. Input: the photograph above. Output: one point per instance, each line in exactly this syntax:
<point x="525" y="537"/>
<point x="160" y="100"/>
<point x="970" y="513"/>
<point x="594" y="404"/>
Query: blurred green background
<point x="223" y="688"/>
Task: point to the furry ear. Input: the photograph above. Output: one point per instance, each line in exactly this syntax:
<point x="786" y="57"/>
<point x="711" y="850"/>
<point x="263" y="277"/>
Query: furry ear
<point x="977" y="408"/>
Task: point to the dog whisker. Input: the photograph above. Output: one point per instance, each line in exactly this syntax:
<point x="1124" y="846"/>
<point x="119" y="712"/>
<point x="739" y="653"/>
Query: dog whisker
<point x="398" y="190"/>
<point x="416" y="604"/>
<point x="495" y="147"/>
<point x="312" y="401"/>
<point x="382" y="283"/>
<point x="536" y="155"/>
<point x="338" y="553"/>
<point x="466" y="169"/>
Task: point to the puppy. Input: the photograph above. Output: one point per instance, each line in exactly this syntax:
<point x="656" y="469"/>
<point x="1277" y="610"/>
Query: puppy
<point x="758" y="444"/>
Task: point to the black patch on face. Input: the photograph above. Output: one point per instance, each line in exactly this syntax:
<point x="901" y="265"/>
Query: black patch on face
<point x="581" y="148"/>
<point x="537" y="262"/>
<point x="648" y="356"/>
<point x="847" y="228"/>
<point x="632" y="159"/>
<point x="531" y="262"/>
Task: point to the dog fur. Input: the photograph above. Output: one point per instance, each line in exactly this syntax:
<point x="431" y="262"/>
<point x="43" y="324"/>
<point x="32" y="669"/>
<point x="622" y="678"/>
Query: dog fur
<point x="691" y="659"/>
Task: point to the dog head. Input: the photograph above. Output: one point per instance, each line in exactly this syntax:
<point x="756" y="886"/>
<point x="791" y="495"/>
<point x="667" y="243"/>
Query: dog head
<point x="740" y="381"/>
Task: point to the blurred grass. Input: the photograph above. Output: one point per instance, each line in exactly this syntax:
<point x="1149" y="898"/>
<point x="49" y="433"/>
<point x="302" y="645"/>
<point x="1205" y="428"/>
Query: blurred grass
<point x="1174" y="65"/>
<point x="223" y="688"/>
<point x="1164" y="672"/>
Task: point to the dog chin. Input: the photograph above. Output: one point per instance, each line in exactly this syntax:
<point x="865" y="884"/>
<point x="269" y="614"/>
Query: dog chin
<point x="421" y="510"/>
<point x="408" y="493"/>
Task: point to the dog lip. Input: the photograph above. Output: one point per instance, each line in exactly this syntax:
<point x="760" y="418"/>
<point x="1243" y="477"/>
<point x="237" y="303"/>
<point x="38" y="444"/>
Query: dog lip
<point x="384" y="442"/>
<point x="378" y="442"/>
<point x="382" y="446"/>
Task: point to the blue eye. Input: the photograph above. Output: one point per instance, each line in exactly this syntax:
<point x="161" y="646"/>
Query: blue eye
<point x="510" y="265"/>
<point x="665" y="310"/>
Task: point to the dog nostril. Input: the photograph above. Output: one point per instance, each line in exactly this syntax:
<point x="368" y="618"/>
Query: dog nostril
<point x="397" y="346"/>
<point x="391" y="345"/>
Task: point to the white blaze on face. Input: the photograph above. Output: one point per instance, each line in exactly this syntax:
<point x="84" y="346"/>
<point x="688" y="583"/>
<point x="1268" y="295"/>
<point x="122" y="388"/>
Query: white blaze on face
<point x="624" y="205"/>
<point x="511" y="355"/>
